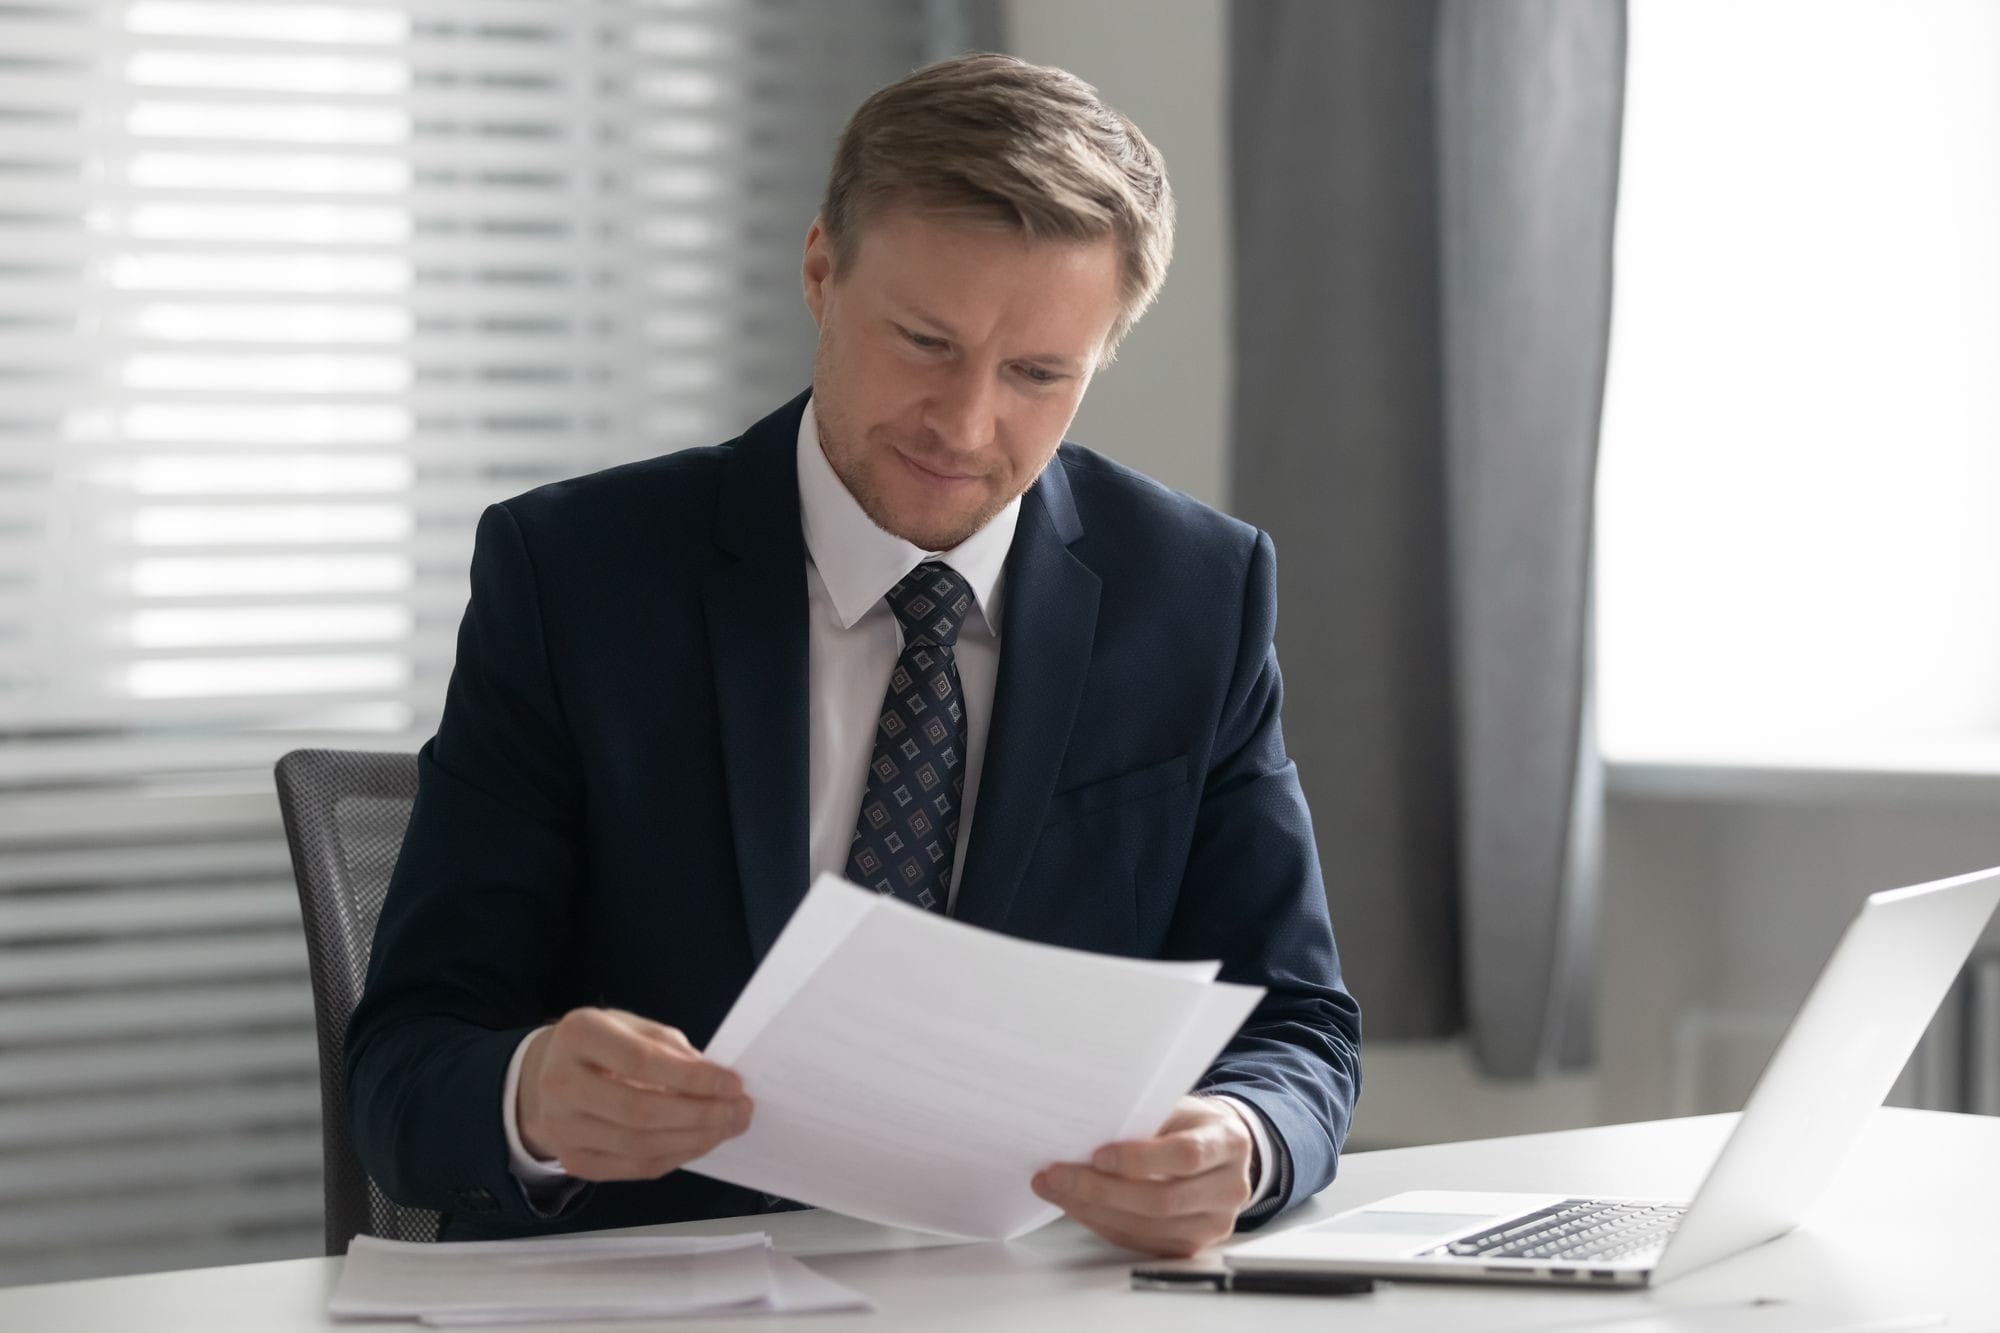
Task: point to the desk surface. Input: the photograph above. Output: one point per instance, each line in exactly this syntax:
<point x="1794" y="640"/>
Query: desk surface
<point x="1907" y="1228"/>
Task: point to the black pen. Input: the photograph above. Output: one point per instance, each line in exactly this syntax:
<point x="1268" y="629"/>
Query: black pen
<point x="1294" y="1283"/>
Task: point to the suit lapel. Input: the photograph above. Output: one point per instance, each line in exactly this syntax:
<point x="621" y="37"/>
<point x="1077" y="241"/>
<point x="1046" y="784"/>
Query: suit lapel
<point x="755" y="600"/>
<point x="1050" y="623"/>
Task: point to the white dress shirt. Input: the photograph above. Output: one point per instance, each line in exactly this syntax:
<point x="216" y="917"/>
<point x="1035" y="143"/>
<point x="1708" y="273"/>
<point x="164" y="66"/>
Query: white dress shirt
<point x="854" y="640"/>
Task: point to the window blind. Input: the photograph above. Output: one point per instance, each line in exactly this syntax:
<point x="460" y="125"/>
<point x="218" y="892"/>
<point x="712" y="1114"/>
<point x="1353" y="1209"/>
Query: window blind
<point x="289" y="293"/>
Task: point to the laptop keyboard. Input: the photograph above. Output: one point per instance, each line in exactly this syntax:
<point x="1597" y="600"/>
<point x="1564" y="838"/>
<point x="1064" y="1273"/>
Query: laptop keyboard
<point x="1589" y="1230"/>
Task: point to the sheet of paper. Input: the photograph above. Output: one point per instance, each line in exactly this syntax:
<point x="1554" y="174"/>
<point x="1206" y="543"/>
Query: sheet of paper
<point x="599" y="1277"/>
<point x="915" y="1071"/>
<point x="795" y="1289"/>
<point x="1220" y="1014"/>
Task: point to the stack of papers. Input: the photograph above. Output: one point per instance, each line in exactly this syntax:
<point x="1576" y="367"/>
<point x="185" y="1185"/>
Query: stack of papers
<point x="577" y="1278"/>
<point x="915" y="1071"/>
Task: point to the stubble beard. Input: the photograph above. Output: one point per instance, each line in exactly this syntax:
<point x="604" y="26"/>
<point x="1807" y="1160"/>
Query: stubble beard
<point x="852" y="467"/>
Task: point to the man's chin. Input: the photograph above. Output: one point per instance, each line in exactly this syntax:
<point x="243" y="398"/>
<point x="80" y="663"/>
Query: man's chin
<point x="921" y="524"/>
<point x="933" y="538"/>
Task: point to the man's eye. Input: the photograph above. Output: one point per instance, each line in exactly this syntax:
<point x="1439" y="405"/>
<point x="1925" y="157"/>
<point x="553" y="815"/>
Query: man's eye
<point x="923" y="340"/>
<point x="1039" y="375"/>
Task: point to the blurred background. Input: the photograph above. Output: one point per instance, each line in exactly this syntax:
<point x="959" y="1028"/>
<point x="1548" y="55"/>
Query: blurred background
<point x="1620" y="381"/>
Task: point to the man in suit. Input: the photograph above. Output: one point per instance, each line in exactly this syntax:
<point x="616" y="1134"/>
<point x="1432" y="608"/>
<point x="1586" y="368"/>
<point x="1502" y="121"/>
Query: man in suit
<point x="897" y="630"/>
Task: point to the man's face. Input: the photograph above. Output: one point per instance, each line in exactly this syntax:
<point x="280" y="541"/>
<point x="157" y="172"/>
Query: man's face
<point x="951" y="359"/>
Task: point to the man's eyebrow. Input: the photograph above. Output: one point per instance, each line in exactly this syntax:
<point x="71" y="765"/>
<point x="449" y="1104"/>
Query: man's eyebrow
<point x="1054" y="359"/>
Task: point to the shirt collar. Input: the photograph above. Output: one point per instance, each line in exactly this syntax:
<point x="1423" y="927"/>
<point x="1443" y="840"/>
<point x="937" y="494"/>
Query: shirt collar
<point x="859" y="562"/>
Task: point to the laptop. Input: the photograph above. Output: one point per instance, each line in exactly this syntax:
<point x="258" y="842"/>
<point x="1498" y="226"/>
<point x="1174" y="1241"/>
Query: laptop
<point x="1838" y="1060"/>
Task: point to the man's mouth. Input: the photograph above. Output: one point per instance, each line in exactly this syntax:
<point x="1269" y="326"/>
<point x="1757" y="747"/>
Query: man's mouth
<point x="938" y="473"/>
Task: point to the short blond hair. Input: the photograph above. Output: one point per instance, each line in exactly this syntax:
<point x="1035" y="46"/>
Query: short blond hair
<point x="1031" y="147"/>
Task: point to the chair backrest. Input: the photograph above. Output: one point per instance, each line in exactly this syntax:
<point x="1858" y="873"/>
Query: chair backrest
<point x="345" y="812"/>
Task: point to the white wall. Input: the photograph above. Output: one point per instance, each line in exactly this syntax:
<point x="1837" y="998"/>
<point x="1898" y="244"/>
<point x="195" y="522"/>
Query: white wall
<point x="1163" y="406"/>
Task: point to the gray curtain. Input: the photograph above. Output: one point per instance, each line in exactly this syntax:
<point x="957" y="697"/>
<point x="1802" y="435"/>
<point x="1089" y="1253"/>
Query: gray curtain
<point x="1423" y="207"/>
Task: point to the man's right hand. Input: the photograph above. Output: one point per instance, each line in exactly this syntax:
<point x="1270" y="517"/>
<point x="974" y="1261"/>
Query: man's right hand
<point x="613" y="1096"/>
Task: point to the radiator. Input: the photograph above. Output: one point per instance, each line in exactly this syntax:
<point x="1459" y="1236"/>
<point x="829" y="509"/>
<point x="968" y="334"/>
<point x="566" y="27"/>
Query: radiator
<point x="1957" y="1065"/>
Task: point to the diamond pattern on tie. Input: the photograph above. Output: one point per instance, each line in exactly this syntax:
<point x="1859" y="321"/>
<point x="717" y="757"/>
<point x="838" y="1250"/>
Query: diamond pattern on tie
<point x="906" y="836"/>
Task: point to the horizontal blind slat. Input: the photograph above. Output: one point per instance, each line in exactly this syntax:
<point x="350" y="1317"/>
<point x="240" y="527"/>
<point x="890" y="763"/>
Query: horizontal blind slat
<point x="232" y="1203"/>
<point x="169" y="1011"/>
<point x="198" y="1060"/>
<point x="115" y="964"/>
<point x="140" y="908"/>
<point x="93" y="864"/>
<point x="162" y="1111"/>
<point x="160" y="1165"/>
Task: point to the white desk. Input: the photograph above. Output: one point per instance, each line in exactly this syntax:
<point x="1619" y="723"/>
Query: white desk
<point x="1910" y="1226"/>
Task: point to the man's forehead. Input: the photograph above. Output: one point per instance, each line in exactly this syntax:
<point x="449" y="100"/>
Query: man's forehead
<point x="957" y="279"/>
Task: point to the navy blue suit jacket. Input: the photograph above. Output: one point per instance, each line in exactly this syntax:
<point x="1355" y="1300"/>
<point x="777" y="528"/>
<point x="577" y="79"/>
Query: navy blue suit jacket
<point x="614" y="808"/>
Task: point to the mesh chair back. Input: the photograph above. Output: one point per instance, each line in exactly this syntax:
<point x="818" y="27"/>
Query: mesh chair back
<point x="345" y="811"/>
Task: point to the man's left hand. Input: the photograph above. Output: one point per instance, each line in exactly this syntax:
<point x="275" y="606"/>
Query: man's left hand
<point x="1170" y="1195"/>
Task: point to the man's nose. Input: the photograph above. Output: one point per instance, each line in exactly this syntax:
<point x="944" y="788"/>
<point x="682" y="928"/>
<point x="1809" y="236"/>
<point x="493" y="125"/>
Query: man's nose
<point x="960" y="410"/>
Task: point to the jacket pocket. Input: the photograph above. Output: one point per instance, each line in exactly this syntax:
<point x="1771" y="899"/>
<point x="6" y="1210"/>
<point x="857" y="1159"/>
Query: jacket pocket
<point x="1123" y="789"/>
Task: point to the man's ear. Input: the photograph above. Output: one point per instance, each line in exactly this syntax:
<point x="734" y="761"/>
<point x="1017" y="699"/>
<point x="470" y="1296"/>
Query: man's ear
<point x="817" y="269"/>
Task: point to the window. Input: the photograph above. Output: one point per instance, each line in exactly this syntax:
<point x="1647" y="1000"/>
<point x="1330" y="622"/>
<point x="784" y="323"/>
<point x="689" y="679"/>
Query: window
<point x="1799" y="561"/>
<point x="288" y="293"/>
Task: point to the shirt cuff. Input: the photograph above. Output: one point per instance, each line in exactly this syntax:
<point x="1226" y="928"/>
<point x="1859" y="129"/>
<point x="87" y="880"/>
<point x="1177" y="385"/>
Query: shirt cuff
<point x="547" y="1186"/>
<point x="1262" y="1177"/>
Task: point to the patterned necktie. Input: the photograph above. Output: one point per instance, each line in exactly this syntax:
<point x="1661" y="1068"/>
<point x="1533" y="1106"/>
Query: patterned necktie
<point x="907" y="831"/>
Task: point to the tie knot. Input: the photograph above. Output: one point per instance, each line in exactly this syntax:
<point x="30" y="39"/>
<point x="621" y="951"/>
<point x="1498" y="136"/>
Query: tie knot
<point x="932" y="602"/>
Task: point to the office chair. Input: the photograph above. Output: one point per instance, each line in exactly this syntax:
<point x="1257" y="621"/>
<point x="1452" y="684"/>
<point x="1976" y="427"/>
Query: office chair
<point x="345" y="811"/>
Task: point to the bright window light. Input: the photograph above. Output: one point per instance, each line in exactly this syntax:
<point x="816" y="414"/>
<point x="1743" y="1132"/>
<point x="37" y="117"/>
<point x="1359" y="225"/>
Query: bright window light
<point x="680" y="87"/>
<point x="224" y="677"/>
<point x="267" y="73"/>
<point x="269" y="576"/>
<point x="1797" y="553"/>
<point x="248" y="373"/>
<point x="282" y="122"/>
<point x="680" y="41"/>
<point x="349" y="25"/>
<point x="682" y="134"/>
<point x="329" y="224"/>
<point x="236" y="423"/>
<point x="213" y="322"/>
<point x="293" y="173"/>
<point x="270" y="525"/>
<point x="302" y="474"/>
<point x="248" y="626"/>
<point x="331" y="274"/>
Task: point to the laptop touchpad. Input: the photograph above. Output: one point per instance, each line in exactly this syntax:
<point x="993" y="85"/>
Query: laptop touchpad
<point x="1371" y="1222"/>
<point x="1415" y="1221"/>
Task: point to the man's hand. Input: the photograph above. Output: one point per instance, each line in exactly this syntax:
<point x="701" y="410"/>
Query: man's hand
<point x="1169" y="1195"/>
<point x="614" y="1096"/>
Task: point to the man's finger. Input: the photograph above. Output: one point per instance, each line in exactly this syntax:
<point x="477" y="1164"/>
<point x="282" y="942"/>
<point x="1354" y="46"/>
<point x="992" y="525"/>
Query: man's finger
<point x="614" y="1048"/>
<point x="1176" y="1237"/>
<point x="651" y="1109"/>
<point x="635" y="1145"/>
<point x="671" y="1037"/>
<point x="1186" y="1152"/>
<point x="1222" y="1189"/>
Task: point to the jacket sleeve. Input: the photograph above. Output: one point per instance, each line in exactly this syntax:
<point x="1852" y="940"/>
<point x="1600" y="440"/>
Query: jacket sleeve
<point x="1252" y="895"/>
<point x="478" y="910"/>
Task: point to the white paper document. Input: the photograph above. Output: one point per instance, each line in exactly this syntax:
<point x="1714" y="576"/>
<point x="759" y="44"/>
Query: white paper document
<point x="915" y="1071"/>
<point x="577" y="1278"/>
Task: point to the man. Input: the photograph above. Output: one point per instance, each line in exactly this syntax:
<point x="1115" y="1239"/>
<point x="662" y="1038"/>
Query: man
<point x="894" y="632"/>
